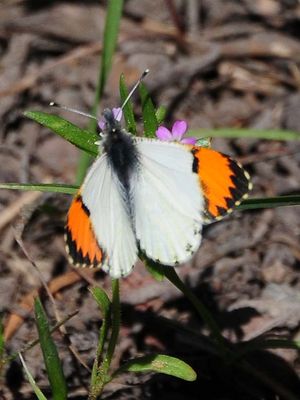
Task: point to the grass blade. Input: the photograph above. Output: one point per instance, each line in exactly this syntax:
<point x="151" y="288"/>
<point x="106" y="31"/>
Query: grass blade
<point x="161" y="364"/>
<point x="269" y="202"/>
<point x="249" y="204"/>
<point x="83" y="139"/>
<point x="148" y="111"/>
<point x="50" y="354"/>
<point x="128" y="109"/>
<point x="41" y="187"/>
<point x="274" y="134"/>
<point x="160" y="114"/>
<point x="32" y="382"/>
<point x="111" y="31"/>
<point x="157" y="271"/>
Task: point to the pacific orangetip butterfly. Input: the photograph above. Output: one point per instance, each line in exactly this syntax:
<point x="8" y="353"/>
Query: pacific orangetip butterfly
<point x="148" y="195"/>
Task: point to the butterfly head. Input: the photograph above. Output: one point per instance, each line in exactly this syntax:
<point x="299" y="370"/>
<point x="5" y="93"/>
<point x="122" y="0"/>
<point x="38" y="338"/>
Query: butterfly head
<point x="111" y="122"/>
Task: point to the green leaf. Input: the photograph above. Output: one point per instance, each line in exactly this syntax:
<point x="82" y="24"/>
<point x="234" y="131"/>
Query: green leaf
<point x="32" y="382"/>
<point x="155" y="269"/>
<point x="161" y="364"/>
<point x="269" y="202"/>
<point x="148" y="111"/>
<point x="102" y="300"/>
<point x="274" y="134"/>
<point x="249" y="204"/>
<point x="41" y="187"/>
<point x="111" y="31"/>
<point x="50" y="354"/>
<point x="83" y="139"/>
<point x="128" y="109"/>
<point x="110" y="36"/>
<point x="160" y="114"/>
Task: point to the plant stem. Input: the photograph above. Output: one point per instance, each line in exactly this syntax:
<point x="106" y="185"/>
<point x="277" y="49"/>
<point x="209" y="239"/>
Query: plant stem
<point x="100" y="377"/>
<point x="172" y="276"/>
<point x="116" y="321"/>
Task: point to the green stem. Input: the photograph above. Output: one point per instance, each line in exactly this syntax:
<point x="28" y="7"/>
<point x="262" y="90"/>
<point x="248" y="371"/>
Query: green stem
<point x="172" y="276"/>
<point x="85" y="158"/>
<point x="116" y="321"/>
<point x="100" y="375"/>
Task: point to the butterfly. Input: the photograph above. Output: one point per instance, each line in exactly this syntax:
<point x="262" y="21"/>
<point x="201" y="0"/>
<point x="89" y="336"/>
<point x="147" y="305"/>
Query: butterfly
<point x="148" y="195"/>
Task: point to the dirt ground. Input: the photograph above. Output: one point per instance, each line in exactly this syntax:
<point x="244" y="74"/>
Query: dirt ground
<point x="220" y="63"/>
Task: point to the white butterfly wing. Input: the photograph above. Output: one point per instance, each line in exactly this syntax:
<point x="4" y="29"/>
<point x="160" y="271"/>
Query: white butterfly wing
<point x="103" y="195"/>
<point x="168" y="202"/>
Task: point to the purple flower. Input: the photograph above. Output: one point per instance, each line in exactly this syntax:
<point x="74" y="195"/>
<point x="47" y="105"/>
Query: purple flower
<point x="179" y="129"/>
<point x="117" y="115"/>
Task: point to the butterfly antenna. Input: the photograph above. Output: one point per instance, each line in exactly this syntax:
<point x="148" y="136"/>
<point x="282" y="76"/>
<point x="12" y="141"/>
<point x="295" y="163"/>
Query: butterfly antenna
<point x="73" y="110"/>
<point x="146" y="72"/>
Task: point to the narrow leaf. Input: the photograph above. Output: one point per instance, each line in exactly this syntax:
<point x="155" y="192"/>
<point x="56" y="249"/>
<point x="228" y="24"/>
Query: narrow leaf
<point x="161" y="364"/>
<point x="111" y="31"/>
<point x="83" y="139"/>
<point x="270" y="202"/>
<point x="50" y="354"/>
<point x="245" y="133"/>
<point x="128" y="109"/>
<point x="148" y="111"/>
<point x="156" y="270"/>
<point x="160" y="114"/>
<point x="258" y="344"/>
<point x="41" y="187"/>
<point x="102" y="300"/>
<point x="32" y="382"/>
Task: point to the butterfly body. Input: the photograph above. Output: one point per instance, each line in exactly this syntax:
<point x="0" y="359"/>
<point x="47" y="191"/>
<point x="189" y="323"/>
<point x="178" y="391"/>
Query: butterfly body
<point x="120" y="149"/>
<point x="149" y="195"/>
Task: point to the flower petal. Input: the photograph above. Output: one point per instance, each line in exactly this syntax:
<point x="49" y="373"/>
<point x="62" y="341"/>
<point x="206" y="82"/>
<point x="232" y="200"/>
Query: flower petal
<point x="101" y="124"/>
<point x="163" y="134"/>
<point x="118" y="113"/>
<point x="178" y="129"/>
<point x="189" y="140"/>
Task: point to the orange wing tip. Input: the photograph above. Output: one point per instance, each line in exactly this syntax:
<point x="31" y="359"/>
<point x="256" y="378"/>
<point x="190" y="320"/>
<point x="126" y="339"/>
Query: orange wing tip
<point x="81" y="244"/>
<point x="224" y="182"/>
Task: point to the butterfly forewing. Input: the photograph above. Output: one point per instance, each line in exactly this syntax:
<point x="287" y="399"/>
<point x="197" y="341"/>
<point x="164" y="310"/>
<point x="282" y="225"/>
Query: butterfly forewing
<point x="168" y="203"/>
<point x="81" y="243"/>
<point x="103" y="197"/>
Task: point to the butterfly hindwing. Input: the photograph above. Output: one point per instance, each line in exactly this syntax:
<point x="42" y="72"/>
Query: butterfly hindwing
<point x="168" y="203"/>
<point x="224" y="182"/>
